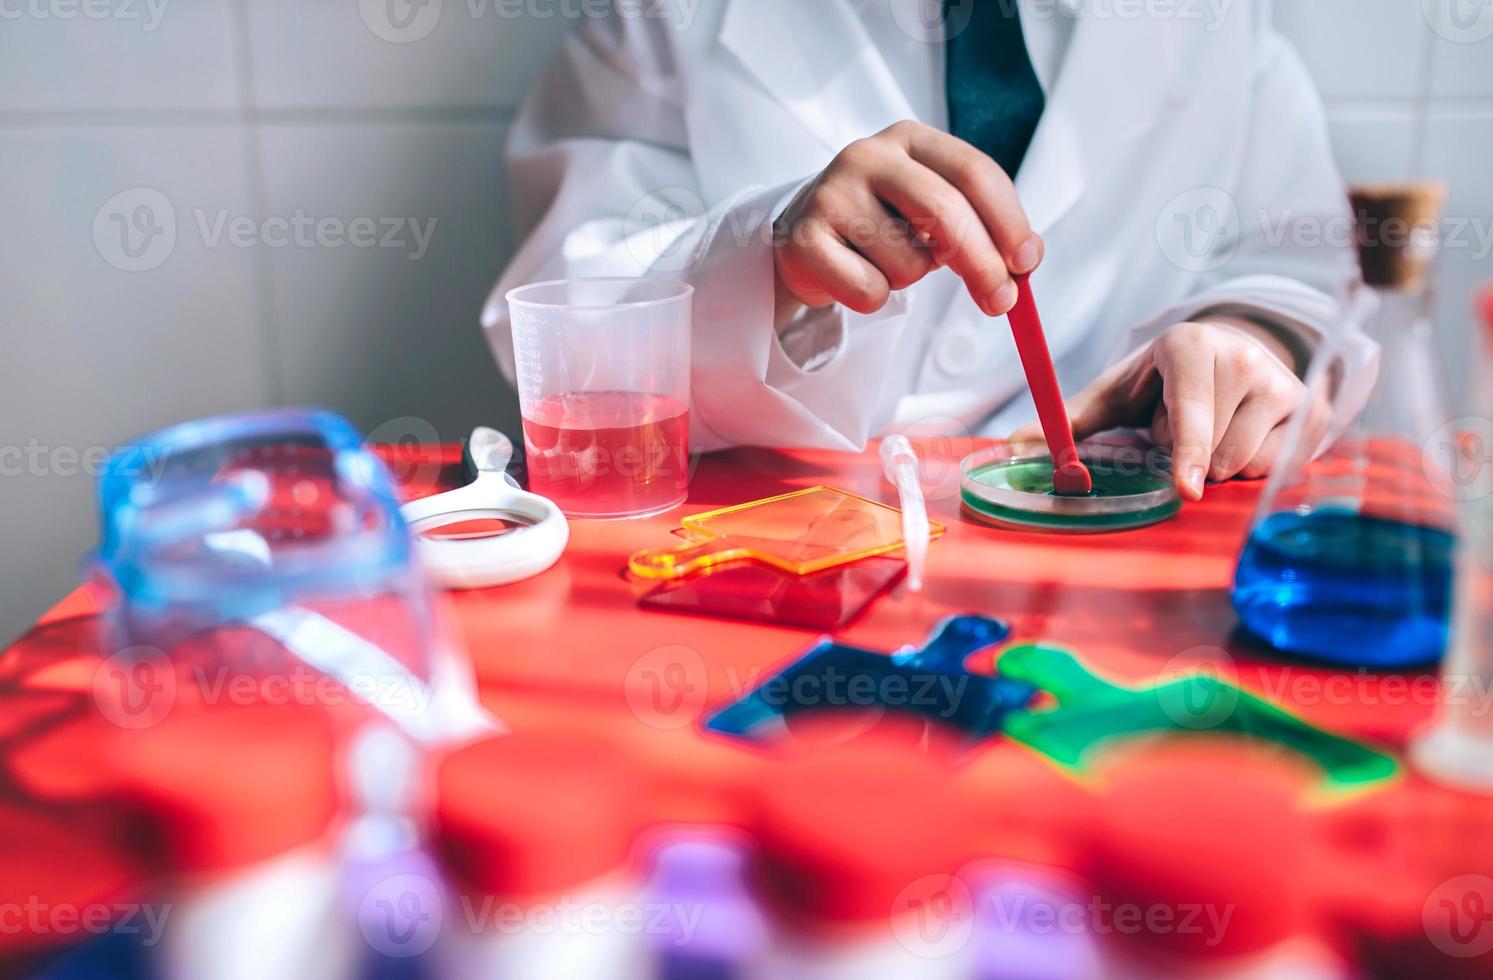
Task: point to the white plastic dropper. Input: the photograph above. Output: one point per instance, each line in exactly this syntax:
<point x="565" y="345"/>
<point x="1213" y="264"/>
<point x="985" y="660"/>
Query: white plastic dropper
<point x="901" y="465"/>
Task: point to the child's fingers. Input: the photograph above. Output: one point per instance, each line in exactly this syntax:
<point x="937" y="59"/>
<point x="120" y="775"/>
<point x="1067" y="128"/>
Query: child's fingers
<point x="1265" y="457"/>
<point x="936" y="209"/>
<point x="1245" y="437"/>
<point x="817" y="264"/>
<point x="1189" y="394"/>
<point x="1031" y="432"/>
<point x="988" y="188"/>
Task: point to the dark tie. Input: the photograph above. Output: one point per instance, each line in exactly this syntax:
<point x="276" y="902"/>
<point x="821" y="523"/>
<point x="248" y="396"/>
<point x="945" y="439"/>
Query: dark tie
<point x="995" y="99"/>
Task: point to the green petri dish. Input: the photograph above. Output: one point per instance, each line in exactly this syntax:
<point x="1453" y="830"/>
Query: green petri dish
<point x="1008" y="488"/>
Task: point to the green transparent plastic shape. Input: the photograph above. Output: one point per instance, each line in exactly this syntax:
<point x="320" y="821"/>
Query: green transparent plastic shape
<point x="1092" y="712"/>
<point x="801" y="532"/>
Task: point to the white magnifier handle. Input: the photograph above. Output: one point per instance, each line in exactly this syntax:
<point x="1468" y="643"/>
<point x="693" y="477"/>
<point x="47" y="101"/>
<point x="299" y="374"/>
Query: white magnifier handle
<point x="491" y="451"/>
<point x="481" y="562"/>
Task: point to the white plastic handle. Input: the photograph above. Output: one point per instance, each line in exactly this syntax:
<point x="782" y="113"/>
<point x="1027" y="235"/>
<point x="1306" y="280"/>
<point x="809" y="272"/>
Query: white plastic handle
<point x="491" y="451"/>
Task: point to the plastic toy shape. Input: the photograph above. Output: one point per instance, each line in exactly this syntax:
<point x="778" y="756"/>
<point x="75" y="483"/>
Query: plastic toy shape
<point x="825" y="600"/>
<point x="801" y="532"/>
<point x="1092" y="711"/>
<point x="930" y="682"/>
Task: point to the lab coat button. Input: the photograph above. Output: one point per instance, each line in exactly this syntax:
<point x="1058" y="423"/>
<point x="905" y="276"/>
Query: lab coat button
<point x="958" y="353"/>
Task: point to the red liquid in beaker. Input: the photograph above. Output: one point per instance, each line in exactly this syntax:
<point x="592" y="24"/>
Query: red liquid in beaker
<point x="608" y="453"/>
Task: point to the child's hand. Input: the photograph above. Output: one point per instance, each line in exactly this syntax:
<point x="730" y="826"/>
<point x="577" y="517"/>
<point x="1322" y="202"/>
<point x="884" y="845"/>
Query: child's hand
<point x="1218" y="393"/>
<point x="892" y="208"/>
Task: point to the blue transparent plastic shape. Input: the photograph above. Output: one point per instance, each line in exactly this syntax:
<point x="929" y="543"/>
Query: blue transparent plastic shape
<point x="223" y="520"/>
<point x="930" y="682"/>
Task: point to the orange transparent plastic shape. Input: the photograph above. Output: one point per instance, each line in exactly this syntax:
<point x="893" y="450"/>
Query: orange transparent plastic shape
<point x="801" y="532"/>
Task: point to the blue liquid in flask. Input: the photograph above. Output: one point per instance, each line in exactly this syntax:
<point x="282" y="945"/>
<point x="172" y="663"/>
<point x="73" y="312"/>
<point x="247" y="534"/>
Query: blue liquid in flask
<point x="1341" y="586"/>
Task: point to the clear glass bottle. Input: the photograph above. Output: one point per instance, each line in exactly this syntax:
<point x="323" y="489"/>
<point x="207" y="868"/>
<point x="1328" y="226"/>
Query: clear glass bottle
<point x="1458" y="748"/>
<point x="1350" y="556"/>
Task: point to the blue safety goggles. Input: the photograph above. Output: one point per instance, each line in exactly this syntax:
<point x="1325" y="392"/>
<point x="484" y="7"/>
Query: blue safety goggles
<point x="280" y="522"/>
<point x="225" y="518"/>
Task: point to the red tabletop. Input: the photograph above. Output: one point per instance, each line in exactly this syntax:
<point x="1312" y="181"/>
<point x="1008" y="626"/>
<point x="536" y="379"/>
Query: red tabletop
<point x="570" y="650"/>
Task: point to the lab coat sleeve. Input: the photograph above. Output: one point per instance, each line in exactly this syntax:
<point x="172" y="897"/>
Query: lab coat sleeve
<point x="604" y="185"/>
<point x="1289" y="260"/>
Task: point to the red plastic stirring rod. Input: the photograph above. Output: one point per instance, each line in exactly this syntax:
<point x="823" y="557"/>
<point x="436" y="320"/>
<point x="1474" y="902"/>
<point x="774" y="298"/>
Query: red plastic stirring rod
<point x="1069" y="476"/>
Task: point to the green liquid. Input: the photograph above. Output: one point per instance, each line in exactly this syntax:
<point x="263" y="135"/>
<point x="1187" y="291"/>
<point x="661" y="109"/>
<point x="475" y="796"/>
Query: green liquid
<point x="1035" y="477"/>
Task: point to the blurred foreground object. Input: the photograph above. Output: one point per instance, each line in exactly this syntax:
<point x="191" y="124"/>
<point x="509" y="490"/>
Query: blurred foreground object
<point x="283" y="522"/>
<point x="1459" y="749"/>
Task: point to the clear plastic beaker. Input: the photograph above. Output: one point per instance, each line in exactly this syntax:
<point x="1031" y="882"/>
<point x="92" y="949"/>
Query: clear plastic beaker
<point x="603" y="387"/>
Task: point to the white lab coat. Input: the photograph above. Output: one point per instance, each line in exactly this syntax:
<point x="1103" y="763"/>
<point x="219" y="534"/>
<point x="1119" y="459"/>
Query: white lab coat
<point x="1181" y="165"/>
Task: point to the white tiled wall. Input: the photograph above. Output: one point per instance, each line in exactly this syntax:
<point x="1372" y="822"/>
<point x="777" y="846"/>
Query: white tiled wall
<point x="1409" y="92"/>
<point x="331" y="110"/>
<point x="227" y="110"/>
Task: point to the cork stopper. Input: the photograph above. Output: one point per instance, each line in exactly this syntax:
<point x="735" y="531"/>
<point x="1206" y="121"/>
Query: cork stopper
<point x="1398" y="229"/>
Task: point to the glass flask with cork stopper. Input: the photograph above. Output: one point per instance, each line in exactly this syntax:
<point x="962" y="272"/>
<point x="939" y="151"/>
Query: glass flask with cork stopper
<point x="1350" y="556"/>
